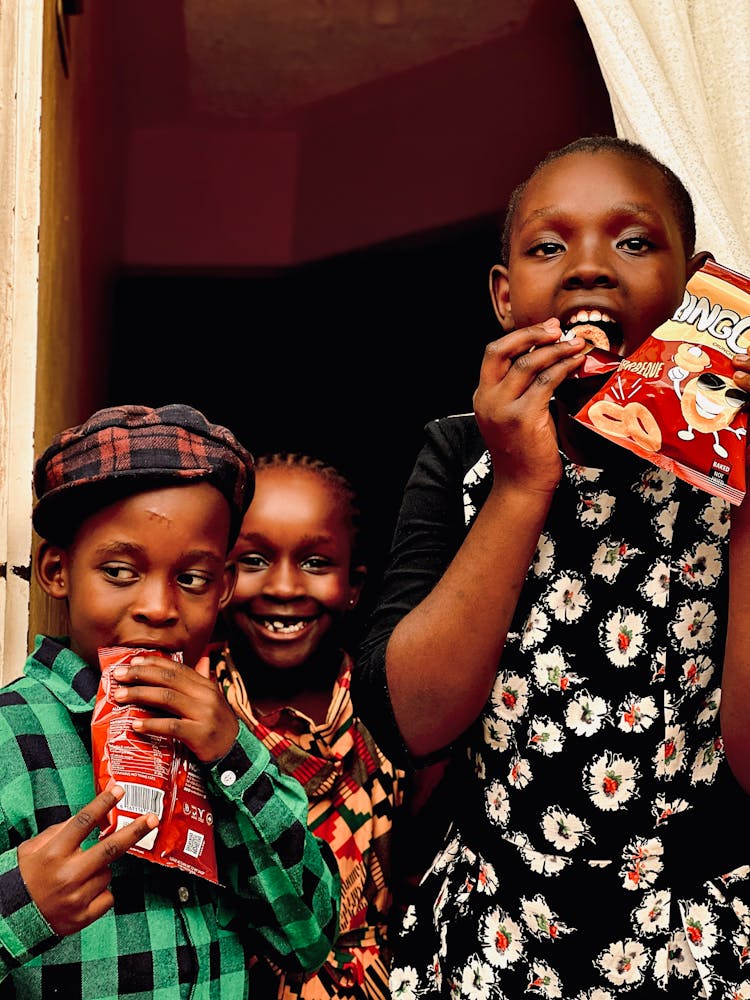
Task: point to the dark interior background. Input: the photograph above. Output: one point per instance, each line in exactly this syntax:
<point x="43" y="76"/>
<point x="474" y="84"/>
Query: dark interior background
<point x="310" y="206"/>
<point x="345" y="358"/>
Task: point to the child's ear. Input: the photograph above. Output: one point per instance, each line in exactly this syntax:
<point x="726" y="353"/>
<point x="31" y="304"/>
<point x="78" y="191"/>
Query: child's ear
<point x="697" y="261"/>
<point x="230" y="581"/>
<point x="51" y="570"/>
<point x="500" y="295"/>
<point x="357" y="579"/>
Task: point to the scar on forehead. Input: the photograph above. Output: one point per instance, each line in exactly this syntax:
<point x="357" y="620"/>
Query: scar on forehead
<point x="158" y="515"/>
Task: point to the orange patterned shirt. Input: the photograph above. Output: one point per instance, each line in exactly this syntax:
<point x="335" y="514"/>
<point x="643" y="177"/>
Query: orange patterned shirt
<point x="354" y="792"/>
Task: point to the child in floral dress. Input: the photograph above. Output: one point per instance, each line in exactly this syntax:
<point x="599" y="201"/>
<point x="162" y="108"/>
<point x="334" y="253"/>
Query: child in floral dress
<point x="558" y="611"/>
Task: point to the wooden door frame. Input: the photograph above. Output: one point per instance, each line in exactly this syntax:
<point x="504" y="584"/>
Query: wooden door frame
<point x="21" y="37"/>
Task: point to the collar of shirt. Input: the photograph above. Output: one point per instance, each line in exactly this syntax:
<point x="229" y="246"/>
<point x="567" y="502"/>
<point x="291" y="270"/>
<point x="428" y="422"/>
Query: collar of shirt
<point x="72" y="681"/>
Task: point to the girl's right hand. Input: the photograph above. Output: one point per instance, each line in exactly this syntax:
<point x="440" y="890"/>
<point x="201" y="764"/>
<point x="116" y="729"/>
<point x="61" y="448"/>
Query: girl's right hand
<point x="519" y="375"/>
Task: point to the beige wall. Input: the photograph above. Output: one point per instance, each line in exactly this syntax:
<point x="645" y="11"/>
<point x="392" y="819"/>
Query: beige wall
<point x="20" y="102"/>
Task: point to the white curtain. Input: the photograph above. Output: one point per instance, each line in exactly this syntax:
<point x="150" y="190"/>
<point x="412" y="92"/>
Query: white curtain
<point x="678" y="77"/>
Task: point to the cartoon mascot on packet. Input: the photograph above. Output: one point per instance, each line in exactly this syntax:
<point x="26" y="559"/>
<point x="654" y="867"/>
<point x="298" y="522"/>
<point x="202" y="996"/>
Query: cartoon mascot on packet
<point x="674" y="401"/>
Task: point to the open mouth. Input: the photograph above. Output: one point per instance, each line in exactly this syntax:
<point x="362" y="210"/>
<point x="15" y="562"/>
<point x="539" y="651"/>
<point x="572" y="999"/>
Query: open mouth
<point x="595" y="327"/>
<point x="282" y="626"/>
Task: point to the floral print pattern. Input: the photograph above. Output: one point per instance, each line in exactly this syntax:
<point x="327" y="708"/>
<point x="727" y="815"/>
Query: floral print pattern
<point x="581" y="862"/>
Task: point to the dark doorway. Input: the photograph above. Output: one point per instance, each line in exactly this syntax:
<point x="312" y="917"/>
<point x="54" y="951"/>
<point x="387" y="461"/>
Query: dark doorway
<point x="345" y="358"/>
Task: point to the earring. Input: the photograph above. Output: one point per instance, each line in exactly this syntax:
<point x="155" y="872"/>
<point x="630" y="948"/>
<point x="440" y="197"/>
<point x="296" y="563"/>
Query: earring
<point x="351" y="602"/>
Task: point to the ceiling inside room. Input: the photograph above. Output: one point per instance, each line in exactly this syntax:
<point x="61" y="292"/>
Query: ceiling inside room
<point x="257" y="61"/>
<point x="264" y="60"/>
<point x="405" y="115"/>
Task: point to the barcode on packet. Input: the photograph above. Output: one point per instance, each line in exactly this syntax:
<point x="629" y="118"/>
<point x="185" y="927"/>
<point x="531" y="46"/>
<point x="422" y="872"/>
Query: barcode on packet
<point x="141" y="799"/>
<point x="194" y="844"/>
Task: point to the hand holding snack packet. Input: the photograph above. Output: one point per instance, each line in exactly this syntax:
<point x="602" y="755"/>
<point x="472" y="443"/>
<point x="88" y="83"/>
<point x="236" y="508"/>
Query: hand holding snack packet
<point x="673" y="401"/>
<point x="137" y="509"/>
<point x="158" y="775"/>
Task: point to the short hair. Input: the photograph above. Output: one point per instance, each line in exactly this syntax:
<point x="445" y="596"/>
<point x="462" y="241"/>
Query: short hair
<point x="340" y="485"/>
<point x="679" y="196"/>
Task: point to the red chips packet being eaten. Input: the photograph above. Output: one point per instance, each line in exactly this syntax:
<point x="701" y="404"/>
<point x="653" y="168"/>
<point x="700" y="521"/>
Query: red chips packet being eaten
<point x="597" y="362"/>
<point x="157" y="773"/>
<point x="673" y="401"/>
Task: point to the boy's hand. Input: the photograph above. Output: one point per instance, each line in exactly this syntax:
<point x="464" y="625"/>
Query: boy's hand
<point x="519" y="375"/>
<point x="190" y="704"/>
<point x="69" y="885"/>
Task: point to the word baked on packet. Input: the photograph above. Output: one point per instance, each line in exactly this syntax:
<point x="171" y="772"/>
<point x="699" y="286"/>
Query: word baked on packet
<point x="157" y="774"/>
<point x="673" y="401"/>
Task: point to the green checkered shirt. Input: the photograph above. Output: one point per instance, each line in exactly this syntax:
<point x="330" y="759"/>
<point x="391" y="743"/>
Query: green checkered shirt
<point x="169" y="934"/>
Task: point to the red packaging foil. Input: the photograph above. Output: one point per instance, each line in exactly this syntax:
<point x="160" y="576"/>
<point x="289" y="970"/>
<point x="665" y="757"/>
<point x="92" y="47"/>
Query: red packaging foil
<point x="673" y="401"/>
<point x="157" y="773"/>
<point x="597" y="361"/>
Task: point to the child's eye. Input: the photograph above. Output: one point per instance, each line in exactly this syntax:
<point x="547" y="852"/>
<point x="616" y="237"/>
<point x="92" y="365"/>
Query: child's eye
<point x="194" y="581"/>
<point x="546" y="248"/>
<point x="315" y="564"/>
<point x="118" y="573"/>
<point x="636" y="244"/>
<point x="252" y="561"/>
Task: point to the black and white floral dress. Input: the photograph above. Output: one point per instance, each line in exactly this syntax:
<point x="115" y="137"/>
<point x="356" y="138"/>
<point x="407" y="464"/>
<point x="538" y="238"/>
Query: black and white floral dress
<point x="600" y="846"/>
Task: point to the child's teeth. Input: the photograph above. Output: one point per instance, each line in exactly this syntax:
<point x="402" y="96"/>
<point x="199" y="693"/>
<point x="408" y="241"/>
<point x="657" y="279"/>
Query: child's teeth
<point x="594" y="316"/>
<point x="277" y="626"/>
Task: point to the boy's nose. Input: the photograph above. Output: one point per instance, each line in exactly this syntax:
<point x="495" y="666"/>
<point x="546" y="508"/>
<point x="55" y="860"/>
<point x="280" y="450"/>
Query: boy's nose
<point x="588" y="266"/>
<point x="156" y="602"/>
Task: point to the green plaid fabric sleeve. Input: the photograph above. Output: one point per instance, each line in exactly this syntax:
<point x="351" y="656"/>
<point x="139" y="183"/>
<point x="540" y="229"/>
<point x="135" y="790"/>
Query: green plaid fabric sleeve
<point x="287" y="875"/>
<point x="23" y="930"/>
<point x="169" y="935"/>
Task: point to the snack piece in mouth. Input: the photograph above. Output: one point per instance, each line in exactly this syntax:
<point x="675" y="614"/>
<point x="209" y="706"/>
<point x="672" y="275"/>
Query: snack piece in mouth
<point x="592" y="334"/>
<point x="599" y="358"/>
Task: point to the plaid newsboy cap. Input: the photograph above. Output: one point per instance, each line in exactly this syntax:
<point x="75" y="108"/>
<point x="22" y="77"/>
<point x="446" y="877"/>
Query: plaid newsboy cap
<point x="123" y="450"/>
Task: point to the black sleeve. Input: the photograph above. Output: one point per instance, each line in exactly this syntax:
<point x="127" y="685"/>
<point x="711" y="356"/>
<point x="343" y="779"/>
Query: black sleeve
<point x="429" y="530"/>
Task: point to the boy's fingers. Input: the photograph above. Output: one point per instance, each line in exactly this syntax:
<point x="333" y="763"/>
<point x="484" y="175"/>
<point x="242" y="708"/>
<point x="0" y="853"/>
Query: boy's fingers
<point x="526" y="352"/>
<point x="151" y="669"/>
<point x="499" y="354"/>
<point x="120" y="842"/>
<point x="154" y="673"/>
<point x="94" y="815"/>
<point x="98" y="907"/>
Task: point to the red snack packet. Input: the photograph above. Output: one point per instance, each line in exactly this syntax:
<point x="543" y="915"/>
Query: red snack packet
<point x="673" y="401"/>
<point x="597" y="361"/>
<point x="158" y="775"/>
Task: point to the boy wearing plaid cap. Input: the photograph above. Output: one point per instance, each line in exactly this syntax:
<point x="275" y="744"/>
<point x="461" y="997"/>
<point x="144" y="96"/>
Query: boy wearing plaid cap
<point x="137" y="509"/>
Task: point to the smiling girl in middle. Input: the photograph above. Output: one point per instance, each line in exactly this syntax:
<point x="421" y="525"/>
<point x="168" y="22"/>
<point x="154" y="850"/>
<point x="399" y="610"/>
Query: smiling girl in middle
<point x="285" y="671"/>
